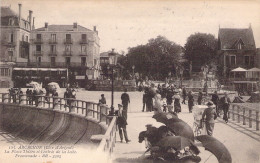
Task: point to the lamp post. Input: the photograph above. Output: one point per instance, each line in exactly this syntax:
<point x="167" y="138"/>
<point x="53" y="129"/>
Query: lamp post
<point x="181" y="73"/>
<point x="206" y="71"/>
<point x="112" y="64"/>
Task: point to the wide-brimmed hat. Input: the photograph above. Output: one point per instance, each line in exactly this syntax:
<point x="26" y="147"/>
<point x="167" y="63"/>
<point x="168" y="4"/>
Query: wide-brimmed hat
<point x="120" y="105"/>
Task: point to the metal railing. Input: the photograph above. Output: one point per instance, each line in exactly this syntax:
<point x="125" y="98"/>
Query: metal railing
<point x="247" y="115"/>
<point x="84" y="108"/>
<point x="87" y="109"/>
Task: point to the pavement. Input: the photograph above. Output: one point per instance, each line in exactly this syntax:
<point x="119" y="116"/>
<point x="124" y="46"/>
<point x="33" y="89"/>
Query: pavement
<point x="241" y="145"/>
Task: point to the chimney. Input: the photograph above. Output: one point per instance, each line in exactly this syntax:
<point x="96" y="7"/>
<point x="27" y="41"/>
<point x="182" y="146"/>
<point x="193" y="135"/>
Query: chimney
<point x="33" y="24"/>
<point x="95" y="29"/>
<point x="75" y="26"/>
<point x="20" y="12"/>
<point x="30" y="19"/>
<point x="46" y="26"/>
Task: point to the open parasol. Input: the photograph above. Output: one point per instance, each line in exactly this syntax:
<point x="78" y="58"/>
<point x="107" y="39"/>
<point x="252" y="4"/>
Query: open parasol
<point x="216" y="147"/>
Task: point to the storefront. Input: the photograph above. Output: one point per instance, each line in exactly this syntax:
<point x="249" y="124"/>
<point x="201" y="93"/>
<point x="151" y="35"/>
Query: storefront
<point x="22" y="76"/>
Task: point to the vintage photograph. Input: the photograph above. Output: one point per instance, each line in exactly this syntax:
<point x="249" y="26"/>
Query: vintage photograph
<point x="135" y="81"/>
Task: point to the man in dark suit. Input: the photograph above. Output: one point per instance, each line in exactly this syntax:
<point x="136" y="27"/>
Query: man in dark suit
<point x="121" y="123"/>
<point x="125" y="101"/>
<point x="209" y="115"/>
<point x="225" y="102"/>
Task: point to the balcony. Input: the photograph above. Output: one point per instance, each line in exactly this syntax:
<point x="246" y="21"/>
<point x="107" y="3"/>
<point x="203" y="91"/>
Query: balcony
<point x="83" y="41"/>
<point x="38" y="53"/>
<point x="38" y="41"/>
<point x="52" y="41"/>
<point x="53" y="53"/>
<point x="83" y="54"/>
<point x="67" y="53"/>
<point x="8" y="43"/>
<point x="68" y="41"/>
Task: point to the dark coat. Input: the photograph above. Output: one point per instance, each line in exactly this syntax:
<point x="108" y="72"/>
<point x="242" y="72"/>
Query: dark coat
<point x="121" y="120"/>
<point x="209" y="115"/>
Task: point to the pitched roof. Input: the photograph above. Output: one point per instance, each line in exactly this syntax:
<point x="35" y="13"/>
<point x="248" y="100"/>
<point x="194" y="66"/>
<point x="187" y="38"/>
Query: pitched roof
<point x="62" y="28"/>
<point x="229" y="38"/>
<point x="239" y="69"/>
<point x="7" y="12"/>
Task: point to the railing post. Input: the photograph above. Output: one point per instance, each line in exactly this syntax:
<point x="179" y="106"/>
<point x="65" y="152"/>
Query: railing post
<point x="89" y="111"/>
<point x="103" y="113"/>
<point x="238" y="114"/>
<point x="257" y="120"/>
<point x="82" y="107"/>
<point x="233" y="112"/>
<point x="244" y="118"/>
<point x="250" y="118"/>
<point x="98" y="112"/>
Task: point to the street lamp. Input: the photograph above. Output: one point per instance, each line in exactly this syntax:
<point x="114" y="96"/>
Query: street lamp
<point x="112" y="64"/>
<point x="133" y="68"/>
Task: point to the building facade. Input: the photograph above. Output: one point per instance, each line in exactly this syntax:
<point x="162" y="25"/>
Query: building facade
<point x="15" y="35"/>
<point x="66" y="46"/>
<point x="236" y="48"/>
<point x="15" y="38"/>
<point x="6" y="69"/>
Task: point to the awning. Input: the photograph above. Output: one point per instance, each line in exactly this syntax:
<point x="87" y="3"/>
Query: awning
<point x="239" y="69"/>
<point x="254" y="69"/>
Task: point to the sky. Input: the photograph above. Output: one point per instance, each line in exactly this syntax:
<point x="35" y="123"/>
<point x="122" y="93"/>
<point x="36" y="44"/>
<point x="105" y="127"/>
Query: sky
<point x="123" y="24"/>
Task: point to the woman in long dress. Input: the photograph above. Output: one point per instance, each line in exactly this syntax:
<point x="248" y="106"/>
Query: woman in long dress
<point x="177" y="104"/>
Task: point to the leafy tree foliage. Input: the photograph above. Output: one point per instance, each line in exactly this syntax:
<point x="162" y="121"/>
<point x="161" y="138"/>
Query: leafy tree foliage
<point x="155" y="59"/>
<point x="200" y="49"/>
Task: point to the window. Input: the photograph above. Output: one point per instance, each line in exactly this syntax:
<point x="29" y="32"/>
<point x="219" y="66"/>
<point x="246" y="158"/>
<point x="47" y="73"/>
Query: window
<point x="12" y="38"/>
<point x="68" y="37"/>
<point x="67" y="60"/>
<point x="67" y="48"/>
<point x="22" y="37"/>
<point x="84" y="37"/>
<point x="53" y="48"/>
<point x="11" y="22"/>
<point x="239" y="46"/>
<point x="38" y="36"/>
<point x="232" y="60"/>
<point x="38" y="48"/>
<point x="53" y="61"/>
<point x="83" y="48"/>
<point x="249" y="61"/>
<point x="83" y="61"/>
<point x="27" y="38"/>
<point x="53" y="37"/>
<point x="10" y="55"/>
<point x="39" y="60"/>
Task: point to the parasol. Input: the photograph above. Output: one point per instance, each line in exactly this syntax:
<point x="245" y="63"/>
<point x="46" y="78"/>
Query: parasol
<point x="216" y="147"/>
<point x="164" y="117"/>
<point x="180" y="128"/>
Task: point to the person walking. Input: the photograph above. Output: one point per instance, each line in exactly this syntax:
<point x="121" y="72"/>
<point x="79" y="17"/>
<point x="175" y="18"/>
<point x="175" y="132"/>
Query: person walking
<point x="177" y="104"/>
<point x="103" y="99"/>
<point x="200" y="98"/>
<point x="190" y="101"/>
<point x="225" y="102"/>
<point x="125" y="101"/>
<point x="184" y="95"/>
<point x="215" y="100"/>
<point x="121" y="123"/>
<point x="209" y="115"/>
<point x="144" y="100"/>
<point x="67" y="95"/>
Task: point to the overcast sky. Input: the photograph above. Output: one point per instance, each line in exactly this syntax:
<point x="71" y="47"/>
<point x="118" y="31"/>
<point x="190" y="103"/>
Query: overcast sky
<point x="123" y="24"/>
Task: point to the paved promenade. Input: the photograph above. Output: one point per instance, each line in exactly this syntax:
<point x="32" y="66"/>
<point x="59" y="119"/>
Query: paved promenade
<point x="242" y="146"/>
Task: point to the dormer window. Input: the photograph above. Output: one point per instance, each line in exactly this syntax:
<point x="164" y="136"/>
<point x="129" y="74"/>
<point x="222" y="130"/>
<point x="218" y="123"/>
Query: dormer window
<point x="239" y="46"/>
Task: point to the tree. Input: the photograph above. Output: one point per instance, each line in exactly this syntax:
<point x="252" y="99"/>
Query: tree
<point x="200" y="49"/>
<point x="155" y="59"/>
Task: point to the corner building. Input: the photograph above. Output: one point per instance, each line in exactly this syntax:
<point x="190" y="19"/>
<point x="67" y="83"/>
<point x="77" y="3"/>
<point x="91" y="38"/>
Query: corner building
<point x="67" y="46"/>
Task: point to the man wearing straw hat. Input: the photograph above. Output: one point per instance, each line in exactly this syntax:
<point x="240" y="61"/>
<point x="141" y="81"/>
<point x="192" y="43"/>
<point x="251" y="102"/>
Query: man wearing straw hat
<point x="209" y="115"/>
